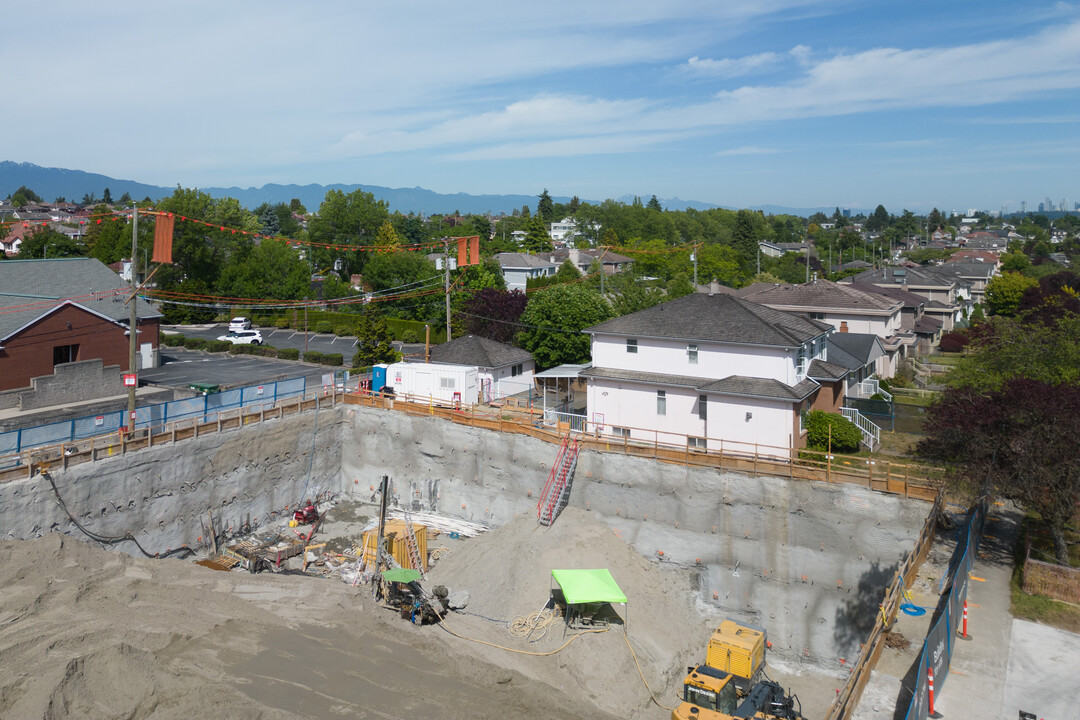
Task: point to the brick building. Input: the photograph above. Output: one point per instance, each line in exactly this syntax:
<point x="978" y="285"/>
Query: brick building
<point x="66" y="310"/>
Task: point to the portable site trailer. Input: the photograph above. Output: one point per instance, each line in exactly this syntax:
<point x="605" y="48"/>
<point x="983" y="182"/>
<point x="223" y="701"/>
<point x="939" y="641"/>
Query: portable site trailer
<point x="443" y="384"/>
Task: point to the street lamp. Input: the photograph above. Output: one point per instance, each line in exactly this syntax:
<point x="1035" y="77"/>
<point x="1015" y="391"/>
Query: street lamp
<point x="46" y="255"/>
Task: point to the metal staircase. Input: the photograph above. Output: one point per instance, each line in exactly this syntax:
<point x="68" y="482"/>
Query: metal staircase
<point x="557" y="489"/>
<point x="871" y="433"/>
<point x="411" y="544"/>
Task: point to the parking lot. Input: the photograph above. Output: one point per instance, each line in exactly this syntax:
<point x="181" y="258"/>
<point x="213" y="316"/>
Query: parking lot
<point x="275" y="337"/>
<point x="181" y="368"/>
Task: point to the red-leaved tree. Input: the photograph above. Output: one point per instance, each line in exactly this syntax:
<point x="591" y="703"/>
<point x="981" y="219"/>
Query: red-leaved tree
<point x="495" y="313"/>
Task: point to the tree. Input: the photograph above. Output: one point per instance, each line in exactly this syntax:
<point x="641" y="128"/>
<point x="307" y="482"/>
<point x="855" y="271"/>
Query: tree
<point x="556" y="316"/>
<point x="545" y="208"/>
<point x="654" y="204"/>
<point x="343" y="221"/>
<point x="538" y="239"/>
<point x="1018" y="442"/>
<point x="567" y="272"/>
<point x="387" y="238"/>
<point x="575" y="203"/>
<point x="374" y="344"/>
<point x="44" y="241"/>
<point x="744" y="237"/>
<point x="1014" y="261"/>
<point x="878" y="220"/>
<point x="934" y="220"/>
<point x="272" y="269"/>
<point x="106" y="197"/>
<point x="24" y="196"/>
<point x="1004" y="292"/>
<point x="125" y="199"/>
<point x="495" y="313"/>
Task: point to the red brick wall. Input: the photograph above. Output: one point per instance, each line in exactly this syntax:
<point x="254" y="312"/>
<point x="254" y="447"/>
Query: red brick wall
<point x="30" y="353"/>
<point x="830" y="397"/>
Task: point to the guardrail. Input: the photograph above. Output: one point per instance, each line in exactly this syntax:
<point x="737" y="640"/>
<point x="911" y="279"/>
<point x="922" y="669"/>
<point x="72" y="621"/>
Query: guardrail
<point x="871" y="433"/>
<point x="27" y="463"/>
<point x="875" y="473"/>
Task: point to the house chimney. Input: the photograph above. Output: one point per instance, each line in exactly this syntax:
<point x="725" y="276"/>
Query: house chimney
<point x="843" y="326"/>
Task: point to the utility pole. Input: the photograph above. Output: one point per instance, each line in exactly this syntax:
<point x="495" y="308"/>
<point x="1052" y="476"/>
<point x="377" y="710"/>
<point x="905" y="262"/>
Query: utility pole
<point x="133" y="319"/>
<point x="446" y="281"/>
<point x="693" y="259"/>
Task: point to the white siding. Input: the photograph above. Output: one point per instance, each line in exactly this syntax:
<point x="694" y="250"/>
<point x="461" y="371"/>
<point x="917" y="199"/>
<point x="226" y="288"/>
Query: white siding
<point x="715" y="361"/>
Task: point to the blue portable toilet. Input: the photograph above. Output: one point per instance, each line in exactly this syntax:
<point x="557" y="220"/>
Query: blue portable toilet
<point x="378" y="377"/>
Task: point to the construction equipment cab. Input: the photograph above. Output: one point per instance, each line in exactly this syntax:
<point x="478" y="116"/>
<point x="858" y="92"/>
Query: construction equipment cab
<point x="740" y="651"/>
<point x="709" y="694"/>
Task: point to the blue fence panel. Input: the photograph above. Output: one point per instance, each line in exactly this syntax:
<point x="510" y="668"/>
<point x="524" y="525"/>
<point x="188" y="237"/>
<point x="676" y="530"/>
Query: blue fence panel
<point x="920" y="701"/>
<point x="187" y="408"/>
<point x="9" y="442"/>
<point x="290" y="388"/>
<point x="98" y="424"/>
<point x="50" y="434"/>
<point x="228" y="400"/>
<point x="155" y="417"/>
<point x="258" y="397"/>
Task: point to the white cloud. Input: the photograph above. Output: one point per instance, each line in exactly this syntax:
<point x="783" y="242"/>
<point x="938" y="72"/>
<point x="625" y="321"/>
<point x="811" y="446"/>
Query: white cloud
<point x="729" y="67"/>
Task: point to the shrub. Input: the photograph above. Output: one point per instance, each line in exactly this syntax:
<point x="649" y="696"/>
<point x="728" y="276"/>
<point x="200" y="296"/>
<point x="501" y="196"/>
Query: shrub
<point x="217" y="346"/>
<point x="953" y="342"/>
<point x="172" y="340"/>
<point x="410" y="336"/>
<point x="845" y="434"/>
<point x="288" y="354"/>
<point x="260" y="350"/>
<point x="312" y="356"/>
<point x="281" y="322"/>
<point x="344" y="329"/>
<point x="333" y="359"/>
<point x="324" y="326"/>
<point x="194" y="343"/>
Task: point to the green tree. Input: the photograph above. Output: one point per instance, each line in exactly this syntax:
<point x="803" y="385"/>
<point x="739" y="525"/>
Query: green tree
<point x="44" y="239"/>
<point x="934" y="220"/>
<point x="878" y="220"/>
<point x="555" y="317"/>
<point x="575" y="203"/>
<point x="344" y="221"/>
<point x="1003" y="348"/>
<point x="1014" y="261"/>
<point x="272" y="269"/>
<point x="106" y="197"/>
<point x="567" y="272"/>
<point x="654" y="204"/>
<point x="538" y="239"/>
<point x="744" y="237"/>
<point x="1004" y="291"/>
<point x="545" y="208"/>
<point x="387" y="238"/>
<point x="374" y="343"/>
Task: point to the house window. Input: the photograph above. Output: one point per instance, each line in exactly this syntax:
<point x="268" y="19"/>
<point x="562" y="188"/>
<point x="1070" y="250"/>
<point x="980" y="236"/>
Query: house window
<point x="661" y="402"/>
<point x="691" y="354"/>
<point x="696" y="443"/>
<point x="817" y="316"/>
<point x="64" y="354"/>
<point x="447" y="383"/>
<point x="631" y="345"/>
<point x="516" y="370"/>
<point x="702" y="406"/>
<point x="620" y="431"/>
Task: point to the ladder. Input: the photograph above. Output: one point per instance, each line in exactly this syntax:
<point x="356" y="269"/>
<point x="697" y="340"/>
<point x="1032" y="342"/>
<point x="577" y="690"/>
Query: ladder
<point x="411" y="544"/>
<point x="556" y="491"/>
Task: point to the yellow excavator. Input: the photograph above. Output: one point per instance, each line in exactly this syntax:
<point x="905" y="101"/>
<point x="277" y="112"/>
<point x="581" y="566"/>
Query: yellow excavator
<point x="730" y="685"/>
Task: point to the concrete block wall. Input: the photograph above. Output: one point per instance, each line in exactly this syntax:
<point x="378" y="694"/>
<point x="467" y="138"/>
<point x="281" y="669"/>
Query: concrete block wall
<point x="162" y="495"/>
<point x="809" y="561"/>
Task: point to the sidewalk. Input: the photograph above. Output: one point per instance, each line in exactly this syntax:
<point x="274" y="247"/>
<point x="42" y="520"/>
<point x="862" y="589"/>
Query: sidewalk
<point x="975" y="684"/>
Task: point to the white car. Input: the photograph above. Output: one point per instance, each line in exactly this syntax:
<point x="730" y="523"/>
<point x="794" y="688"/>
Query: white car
<point x="243" y="337"/>
<point x="239" y="323"/>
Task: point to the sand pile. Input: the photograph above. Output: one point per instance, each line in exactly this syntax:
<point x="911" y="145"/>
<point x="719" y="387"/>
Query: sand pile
<point x="92" y="634"/>
<point x="508" y="573"/>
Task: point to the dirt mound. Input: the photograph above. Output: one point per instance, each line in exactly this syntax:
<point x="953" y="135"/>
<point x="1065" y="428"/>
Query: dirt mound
<point x="92" y="634"/>
<point x="508" y="573"/>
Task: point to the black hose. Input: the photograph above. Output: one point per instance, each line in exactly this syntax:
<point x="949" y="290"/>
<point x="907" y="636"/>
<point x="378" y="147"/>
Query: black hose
<point x="110" y="540"/>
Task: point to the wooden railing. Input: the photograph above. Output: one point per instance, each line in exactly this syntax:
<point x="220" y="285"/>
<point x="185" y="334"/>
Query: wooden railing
<point x="874" y="472"/>
<point x="27" y="463"/>
<point x="848" y="698"/>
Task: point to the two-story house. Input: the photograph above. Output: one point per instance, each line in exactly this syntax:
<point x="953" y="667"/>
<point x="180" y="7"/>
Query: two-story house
<point x="939" y="292"/>
<point x="518" y="268"/>
<point x="708" y="371"/>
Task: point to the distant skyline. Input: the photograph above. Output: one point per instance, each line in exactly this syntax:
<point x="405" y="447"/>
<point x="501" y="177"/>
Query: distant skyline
<point x="798" y="103"/>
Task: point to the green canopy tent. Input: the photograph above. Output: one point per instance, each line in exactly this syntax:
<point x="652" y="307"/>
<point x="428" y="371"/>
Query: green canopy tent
<point x="401" y="575"/>
<point x="586" y="590"/>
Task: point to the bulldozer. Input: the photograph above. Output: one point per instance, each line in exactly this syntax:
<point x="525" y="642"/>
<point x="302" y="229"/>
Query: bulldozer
<point x="710" y="694"/>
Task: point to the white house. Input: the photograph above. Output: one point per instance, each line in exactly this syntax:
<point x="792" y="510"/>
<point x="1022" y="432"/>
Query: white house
<point x="517" y="268"/>
<point x="503" y="370"/>
<point x="708" y="371"/>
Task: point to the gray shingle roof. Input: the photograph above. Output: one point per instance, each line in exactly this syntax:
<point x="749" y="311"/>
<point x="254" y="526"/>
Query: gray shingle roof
<point x="854" y="350"/>
<point x="816" y="296"/>
<point x="478" y="351"/>
<point x="523" y="260"/>
<point x="895" y="275"/>
<point x="44" y="285"/>
<point x="910" y="299"/>
<point x="716" y="318"/>
<point x="732" y="385"/>
<point x="822" y="370"/>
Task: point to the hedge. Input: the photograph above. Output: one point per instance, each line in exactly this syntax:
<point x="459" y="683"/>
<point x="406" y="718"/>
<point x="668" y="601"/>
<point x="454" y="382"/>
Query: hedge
<point x="338" y="320"/>
<point x="313" y="356"/>
<point x="192" y="343"/>
<point x="845" y="436"/>
<point x="172" y="340"/>
<point x="217" y="346"/>
<point x="260" y="350"/>
<point x="324" y="326"/>
<point x="288" y="354"/>
<point x="281" y="322"/>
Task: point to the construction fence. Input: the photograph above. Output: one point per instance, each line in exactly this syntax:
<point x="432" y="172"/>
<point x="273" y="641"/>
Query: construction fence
<point x="942" y="636"/>
<point x="199" y="409"/>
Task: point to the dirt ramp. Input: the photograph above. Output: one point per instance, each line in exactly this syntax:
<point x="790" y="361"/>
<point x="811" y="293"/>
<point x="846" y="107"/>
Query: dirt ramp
<point x="508" y="573"/>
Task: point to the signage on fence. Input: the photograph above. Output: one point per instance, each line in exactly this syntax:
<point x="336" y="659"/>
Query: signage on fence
<point x="598" y="421"/>
<point x="259" y="390"/>
<point x="99" y="420"/>
<point x="130" y="380"/>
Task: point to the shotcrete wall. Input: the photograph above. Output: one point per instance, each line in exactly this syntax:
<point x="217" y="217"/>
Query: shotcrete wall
<point x="806" y="560"/>
<point x="162" y="495"/>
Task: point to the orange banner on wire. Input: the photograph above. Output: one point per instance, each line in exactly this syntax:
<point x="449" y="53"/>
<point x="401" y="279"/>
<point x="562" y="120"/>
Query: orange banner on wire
<point x="163" y="237"/>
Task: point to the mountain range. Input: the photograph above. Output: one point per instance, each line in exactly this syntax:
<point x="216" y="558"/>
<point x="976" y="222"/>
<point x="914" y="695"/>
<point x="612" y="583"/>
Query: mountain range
<point x="51" y="183"/>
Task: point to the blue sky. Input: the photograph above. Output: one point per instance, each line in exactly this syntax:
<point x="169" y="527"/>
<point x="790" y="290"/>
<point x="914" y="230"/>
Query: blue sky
<point x="799" y="103"/>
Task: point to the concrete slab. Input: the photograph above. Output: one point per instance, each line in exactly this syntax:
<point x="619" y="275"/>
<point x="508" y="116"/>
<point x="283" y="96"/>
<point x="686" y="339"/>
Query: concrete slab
<point x="1041" y="677"/>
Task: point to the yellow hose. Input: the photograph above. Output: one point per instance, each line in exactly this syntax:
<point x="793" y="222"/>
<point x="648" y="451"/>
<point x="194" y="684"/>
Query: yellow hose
<point x="638" y="665"/>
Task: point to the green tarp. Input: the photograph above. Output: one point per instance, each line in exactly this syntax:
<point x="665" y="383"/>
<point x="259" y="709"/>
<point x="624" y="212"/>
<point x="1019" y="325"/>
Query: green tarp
<point x="402" y="575"/>
<point x="588" y="586"/>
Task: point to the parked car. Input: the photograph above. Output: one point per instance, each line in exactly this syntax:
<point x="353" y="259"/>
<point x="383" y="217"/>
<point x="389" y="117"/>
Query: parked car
<point x="239" y="323"/>
<point x="243" y="337"/>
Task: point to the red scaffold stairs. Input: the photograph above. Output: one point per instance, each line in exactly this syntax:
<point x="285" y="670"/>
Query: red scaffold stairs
<point x="557" y="489"/>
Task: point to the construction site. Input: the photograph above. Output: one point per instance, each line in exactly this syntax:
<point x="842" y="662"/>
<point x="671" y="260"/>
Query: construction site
<point x="351" y="559"/>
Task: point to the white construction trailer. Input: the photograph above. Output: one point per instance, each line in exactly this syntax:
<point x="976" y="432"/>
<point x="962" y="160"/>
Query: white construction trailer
<point x="441" y="384"/>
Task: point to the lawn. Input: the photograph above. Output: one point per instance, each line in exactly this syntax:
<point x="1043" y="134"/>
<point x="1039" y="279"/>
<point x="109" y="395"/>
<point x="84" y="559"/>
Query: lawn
<point x="1035" y="607"/>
